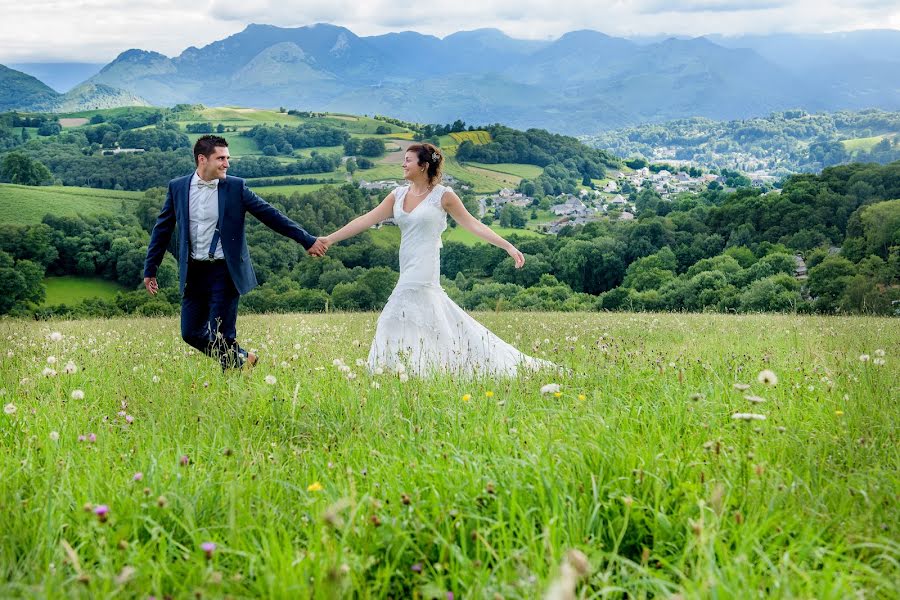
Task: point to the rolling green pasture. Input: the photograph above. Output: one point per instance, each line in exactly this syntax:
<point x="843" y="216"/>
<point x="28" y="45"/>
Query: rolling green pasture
<point x="520" y="170"/>
<point x="238" y="145"/>
<point x="26" y="205"/>
<point x="72" y="290"/>
<point x="681" y="455"/>
<point x="866" y="144"/>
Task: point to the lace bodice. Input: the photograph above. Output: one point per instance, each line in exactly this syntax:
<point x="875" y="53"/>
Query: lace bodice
<point x="420" y="236"/>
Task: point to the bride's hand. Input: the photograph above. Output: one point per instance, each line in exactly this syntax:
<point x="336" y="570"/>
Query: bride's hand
<point x="517" y="256"/>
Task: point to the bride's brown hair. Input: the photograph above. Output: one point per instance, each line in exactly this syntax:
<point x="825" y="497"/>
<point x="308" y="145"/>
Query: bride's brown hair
<point x="430" y="157"/>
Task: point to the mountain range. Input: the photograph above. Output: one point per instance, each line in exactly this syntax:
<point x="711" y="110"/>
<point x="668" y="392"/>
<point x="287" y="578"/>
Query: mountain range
<point x="582" y="82"/>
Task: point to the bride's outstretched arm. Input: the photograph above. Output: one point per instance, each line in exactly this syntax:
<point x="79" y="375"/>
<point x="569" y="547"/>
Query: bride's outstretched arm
<point x="454" y="206"/>
<point x="382" y="212"/>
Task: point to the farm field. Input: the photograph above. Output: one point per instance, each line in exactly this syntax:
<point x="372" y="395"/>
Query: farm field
<point x="26" y="205"/>
<point x="72" y="289"/>
<point x="679" y="454"/>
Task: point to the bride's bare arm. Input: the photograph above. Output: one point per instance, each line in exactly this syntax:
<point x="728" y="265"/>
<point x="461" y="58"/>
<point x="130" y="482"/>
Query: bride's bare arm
<point x="380" y="213"/>
<point x="454" y="206"/>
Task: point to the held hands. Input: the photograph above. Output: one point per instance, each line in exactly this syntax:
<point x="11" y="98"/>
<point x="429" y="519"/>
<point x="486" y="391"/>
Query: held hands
<point x="320" y="247"/>
<point x="151" y="285"/>
<point x="518" y="257"/>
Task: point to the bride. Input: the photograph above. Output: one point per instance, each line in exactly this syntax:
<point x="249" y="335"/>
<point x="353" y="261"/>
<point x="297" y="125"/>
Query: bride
<point x="421" y="328"/>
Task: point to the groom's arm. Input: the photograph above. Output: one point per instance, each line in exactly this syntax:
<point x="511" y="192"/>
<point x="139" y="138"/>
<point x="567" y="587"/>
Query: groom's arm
<point x="159" y="238"/>
<point x="273" y="218"/>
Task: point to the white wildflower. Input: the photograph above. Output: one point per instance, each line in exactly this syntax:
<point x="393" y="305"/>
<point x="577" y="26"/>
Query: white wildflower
<point x="378" y="371"/>
<point x="51" y="360"/>
<point x="337" y="362"/>
<point x="754" y="399"/>
<point x="748" y="417"/>
<point x="767" y="377"/>
<point x="270" y="379"/>
<point x="56" y="336"/>
<point x="878" y="361"/>
<point x="550" y="388"/>
<point x="48" y="372"/>
<point x="54" y="436"/>
<point x="77" y="395"/>
<point x="863" y="358"/>
<point x="70" y="368"/>
<point x="741" y="387"/>
<point x="404" y="377"/>
<point x="155" y="379"/>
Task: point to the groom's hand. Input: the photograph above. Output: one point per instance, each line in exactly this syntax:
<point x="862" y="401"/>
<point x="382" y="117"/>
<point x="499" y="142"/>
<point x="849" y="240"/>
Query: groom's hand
<point x="319" y="248"/>
<point x="151" y="285"/>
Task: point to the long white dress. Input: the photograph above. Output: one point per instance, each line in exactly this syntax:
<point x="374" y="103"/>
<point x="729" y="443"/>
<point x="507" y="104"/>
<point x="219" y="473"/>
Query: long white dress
<point x="421" y="328"/>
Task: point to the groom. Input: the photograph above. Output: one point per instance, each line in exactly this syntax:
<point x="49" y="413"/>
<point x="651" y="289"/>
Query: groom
<point x="208" y="209"/>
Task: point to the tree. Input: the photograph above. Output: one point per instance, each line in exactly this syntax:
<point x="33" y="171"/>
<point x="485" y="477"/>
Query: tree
<point x="512" y="216"/>
<point x="351" y="166"/>
<point x="22" y="170"/>
<point x="828" y="279"/>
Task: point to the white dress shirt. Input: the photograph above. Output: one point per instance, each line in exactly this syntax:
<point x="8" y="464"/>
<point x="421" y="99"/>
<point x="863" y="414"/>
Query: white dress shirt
<point x="203" y="211"/>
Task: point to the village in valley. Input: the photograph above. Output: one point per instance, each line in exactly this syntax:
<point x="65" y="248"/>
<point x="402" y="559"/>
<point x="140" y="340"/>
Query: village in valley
<point x="612" y="201"/>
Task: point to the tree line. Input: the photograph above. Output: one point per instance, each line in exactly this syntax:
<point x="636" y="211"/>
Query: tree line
<point x="712" y="251"/>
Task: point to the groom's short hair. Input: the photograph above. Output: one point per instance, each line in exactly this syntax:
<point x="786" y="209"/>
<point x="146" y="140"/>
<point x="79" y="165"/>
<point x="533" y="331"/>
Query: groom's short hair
<point x="206" y="145"/>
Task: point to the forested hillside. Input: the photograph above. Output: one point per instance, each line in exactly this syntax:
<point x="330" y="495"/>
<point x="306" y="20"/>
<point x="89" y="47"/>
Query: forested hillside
<point x="713" y="251"/>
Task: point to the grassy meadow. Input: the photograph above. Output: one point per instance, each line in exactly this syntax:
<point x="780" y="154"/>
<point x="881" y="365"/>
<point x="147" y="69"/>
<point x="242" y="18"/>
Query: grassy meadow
<point x="149" y="472"/>
<point x="27" y="205"/>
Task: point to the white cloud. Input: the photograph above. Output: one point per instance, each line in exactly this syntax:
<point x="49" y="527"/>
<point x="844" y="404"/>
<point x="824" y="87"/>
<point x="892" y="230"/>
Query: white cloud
<point x="97" y="30"/>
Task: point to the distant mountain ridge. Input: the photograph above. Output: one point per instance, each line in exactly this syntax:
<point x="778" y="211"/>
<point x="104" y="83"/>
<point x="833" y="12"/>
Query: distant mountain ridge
<point x="19" y="91"/>
<point x="580" y="83"/>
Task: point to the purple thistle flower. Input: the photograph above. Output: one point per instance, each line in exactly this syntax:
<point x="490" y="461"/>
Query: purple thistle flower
<point x="185" y="460"/>
<point x="138" y="476"/>
<point x="416" y="568"/>
<point x="102" y="512"/>
<point x="82" y="438"/>
<point x="92" y="437"/>
<point x="208" y="548"/>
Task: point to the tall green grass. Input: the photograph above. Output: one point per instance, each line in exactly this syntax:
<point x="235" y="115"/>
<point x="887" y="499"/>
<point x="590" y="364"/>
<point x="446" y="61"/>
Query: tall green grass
<point x="326" y="481"/>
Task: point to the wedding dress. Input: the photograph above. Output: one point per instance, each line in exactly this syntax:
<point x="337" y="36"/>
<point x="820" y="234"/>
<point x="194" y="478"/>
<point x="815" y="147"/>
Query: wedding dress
<point x="421" y="328"/>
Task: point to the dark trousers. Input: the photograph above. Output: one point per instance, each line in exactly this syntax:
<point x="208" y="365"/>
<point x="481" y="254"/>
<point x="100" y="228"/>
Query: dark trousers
<point x="209" y="312"/>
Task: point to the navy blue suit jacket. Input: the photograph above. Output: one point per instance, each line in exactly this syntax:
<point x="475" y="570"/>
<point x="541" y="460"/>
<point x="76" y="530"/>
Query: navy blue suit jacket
<point x="235" y="201"/>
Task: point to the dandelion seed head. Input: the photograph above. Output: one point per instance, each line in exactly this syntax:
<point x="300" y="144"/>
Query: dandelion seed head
<point x="270" y="379"/>
<point x="70" y="368"/>
<point x="155" y="379"/>
<point x="77" y="395"/>
<point x="879" y="353"/>
<point x="404" y="377"/>
<point x="51" y="360"/>
<point x="550" y="388"/>
<point x="754" y="399"/>
<point x="54" y="436"/>
<point x="767" y="377"/>
<point x="56" y="336"/>
<point x="863" y="358"/>
<point x="10" y="408"/>
<point x="878" y="362"/>
<point x="741" y="387"/>
<point x="48" y="372"/>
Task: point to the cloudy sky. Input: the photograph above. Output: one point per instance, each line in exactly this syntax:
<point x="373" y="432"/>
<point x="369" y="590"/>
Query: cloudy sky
<point x="98" y="30"/>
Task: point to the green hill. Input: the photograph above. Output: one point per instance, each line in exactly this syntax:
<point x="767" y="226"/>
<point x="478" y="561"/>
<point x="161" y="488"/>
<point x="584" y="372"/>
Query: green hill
<point x="25" y="205"/>
<point x="19" y="90"/>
